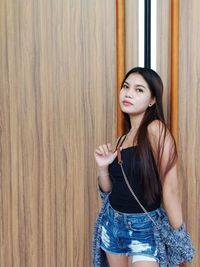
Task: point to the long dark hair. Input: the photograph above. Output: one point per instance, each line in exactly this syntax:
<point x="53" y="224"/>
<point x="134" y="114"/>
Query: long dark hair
<point x="150" y="165"/>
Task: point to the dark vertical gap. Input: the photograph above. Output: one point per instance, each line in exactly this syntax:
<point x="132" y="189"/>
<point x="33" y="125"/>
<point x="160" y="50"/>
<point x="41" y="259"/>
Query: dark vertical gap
<point x="147" y="33"/>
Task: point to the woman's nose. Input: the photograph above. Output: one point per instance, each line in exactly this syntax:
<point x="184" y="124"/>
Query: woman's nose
<point x="128" y="95"/>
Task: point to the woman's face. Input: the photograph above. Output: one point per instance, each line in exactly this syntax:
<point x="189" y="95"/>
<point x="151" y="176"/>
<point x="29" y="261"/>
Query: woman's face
<point x="135" y="90"/>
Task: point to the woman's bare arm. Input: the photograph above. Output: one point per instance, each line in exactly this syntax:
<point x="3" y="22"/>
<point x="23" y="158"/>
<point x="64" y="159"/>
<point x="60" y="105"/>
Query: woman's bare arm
<point x="104" y="181"/>
<point x="104" y="156"/>
<point x="170" y="186"/>
<point x="171" y="199"/>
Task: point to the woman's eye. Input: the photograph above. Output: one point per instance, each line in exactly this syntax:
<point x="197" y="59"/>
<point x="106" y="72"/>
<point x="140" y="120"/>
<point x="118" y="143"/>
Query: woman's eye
<point x="125" y="86"/>
<point x="139" y="90"/>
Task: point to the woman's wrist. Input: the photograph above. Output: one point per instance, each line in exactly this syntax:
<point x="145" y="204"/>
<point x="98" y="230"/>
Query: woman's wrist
<point x="103" y="171"/>
<point x="176" y="224"/>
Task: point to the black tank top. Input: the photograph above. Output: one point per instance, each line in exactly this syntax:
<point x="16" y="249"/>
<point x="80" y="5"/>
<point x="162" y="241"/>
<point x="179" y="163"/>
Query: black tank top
<point x="121" y="198"/>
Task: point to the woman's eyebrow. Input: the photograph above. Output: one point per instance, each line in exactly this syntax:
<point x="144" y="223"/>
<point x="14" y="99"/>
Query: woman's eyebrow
<point x="137" y="85"/>
<point x="140" y="85"/>
<point x="126" y="82"/>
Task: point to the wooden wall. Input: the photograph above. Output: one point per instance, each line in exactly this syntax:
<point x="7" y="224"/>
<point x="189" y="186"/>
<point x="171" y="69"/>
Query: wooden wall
<point x="163" y="51"/>
<point x="131" y="34"/>
<point x="57" y="102"/>
<point x="189" y="121"/>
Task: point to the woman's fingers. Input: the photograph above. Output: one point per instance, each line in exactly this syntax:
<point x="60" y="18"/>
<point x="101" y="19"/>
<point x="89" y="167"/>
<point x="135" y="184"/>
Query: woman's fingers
<point x="98" y="151"/>
<point x="101" y="149"/>
<point x="104" y="149"/>
<point x="109" y="147"/>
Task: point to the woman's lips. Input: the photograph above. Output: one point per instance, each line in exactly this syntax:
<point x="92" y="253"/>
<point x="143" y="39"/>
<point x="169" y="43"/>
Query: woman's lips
<point x="126" y="103"/>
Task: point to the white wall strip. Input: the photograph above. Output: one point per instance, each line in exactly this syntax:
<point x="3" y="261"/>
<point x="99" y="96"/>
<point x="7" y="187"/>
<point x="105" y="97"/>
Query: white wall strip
<point x="153" y="33"/>
<point x="141" y="33"/>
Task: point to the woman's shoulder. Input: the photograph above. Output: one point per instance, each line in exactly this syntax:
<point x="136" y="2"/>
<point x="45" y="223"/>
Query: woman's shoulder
<point x="157" y="129"/>
<point x="159" y="133"/>
<point x="155" y="126"/>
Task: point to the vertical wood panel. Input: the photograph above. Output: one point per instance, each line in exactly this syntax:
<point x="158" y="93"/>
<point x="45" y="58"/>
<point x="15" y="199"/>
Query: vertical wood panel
<point x="120" y="64"/>
<point x="131" y="34"/>
<point x="163" y="51"/>
<point x="189" y="123"/>
<point x="57" y="102"/>
<point x="174" y="67"/>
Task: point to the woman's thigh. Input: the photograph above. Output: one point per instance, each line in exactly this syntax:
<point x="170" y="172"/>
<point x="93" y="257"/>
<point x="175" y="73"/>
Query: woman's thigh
<point x="141" y="263"/>
<point x="115" y="260"/>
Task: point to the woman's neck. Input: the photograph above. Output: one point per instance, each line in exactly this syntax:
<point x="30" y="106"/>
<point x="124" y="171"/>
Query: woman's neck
<point x="135" y="121"/>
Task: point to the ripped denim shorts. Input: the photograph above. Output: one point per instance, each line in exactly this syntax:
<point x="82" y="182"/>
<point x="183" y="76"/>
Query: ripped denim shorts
<point x="130" y="234"/>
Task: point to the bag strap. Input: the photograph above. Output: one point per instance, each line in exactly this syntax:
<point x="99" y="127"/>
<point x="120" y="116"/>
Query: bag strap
<point x="120" y="162"/>
<point x="118" y="141"/>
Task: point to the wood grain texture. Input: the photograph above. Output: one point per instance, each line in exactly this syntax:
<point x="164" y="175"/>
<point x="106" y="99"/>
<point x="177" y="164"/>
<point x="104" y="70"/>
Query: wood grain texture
<point x="163" y="52"/>
<point x="131" y="34"/>
<point x="57" y="103"/>
<point x="189" y="123"/>
<point x="174" y="73"/>
<point x="120" y="61"/>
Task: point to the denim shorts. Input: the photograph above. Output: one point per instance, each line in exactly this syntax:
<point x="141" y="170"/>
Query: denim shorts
<point x="130" y="234"/>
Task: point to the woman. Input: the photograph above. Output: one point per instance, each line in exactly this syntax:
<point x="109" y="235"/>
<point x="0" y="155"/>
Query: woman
<point x="149" y="155"/>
